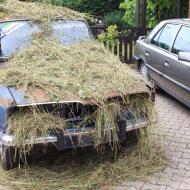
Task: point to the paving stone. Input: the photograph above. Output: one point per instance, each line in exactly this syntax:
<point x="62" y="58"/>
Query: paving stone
<point x="170" y="188"/>
<point x="174" y="134"/>
<point x="153" y="187"/>
<point x="184" y="186"/>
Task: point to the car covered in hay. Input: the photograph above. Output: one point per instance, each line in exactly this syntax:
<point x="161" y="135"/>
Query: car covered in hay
<point x="61" y="88"/>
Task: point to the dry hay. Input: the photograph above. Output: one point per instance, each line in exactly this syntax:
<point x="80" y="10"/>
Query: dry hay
<point x="64" y="71"/>
<point x="87" y="169"/>
<point x="31" y="124"/>
<point x="85" y="70"/>
<point x="40" y="12"/>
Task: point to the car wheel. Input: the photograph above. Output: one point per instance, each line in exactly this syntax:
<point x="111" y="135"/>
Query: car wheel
<point x="8" y="157"/>
<point x="144" y="71"/>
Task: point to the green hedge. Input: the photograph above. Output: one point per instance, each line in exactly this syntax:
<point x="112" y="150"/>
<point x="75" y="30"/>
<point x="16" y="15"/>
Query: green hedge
<point x="115" y="18"/>
<point x="96" y="7"/>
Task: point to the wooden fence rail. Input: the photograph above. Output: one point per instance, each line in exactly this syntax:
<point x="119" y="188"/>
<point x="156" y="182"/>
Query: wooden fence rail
<point x="124" y="48"/>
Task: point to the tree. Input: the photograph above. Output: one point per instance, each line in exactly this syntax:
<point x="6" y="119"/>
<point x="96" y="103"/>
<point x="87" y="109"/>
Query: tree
<point x="95" y="7"/>
<point x="157" y="10"/>
<point x="141" y="6"/>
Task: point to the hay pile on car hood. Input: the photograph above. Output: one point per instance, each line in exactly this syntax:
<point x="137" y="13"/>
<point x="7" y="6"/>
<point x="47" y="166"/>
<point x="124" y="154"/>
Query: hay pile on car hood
<point x="85" y="70"/>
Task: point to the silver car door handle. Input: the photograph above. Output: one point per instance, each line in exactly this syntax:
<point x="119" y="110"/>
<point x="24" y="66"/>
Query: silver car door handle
<point x="147" y="54"/>
<point x="167" y="64"/>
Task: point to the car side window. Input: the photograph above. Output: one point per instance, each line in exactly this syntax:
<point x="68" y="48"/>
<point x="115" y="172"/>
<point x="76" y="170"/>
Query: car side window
<point x="168" y="36"/>
<point x="155" y="39"/>
<point x="182" y="42"/>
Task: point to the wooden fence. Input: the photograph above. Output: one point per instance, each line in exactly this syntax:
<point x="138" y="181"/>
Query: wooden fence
<point x="124" y="48"/>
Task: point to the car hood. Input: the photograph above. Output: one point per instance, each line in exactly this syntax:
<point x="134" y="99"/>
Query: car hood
<point x="10" y="97"/>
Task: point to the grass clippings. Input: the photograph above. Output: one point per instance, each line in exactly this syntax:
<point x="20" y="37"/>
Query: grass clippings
<point x="85" y="70"/>
<point x="31" y="124"/>
<point x="38" y="11"/>
<point x="62" y="72"/>
<point x="87" y="169"/>
<point x="66" y="71"/>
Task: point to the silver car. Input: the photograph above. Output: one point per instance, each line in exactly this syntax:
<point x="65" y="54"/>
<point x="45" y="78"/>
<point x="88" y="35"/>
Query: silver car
<point x="164" y="57"/>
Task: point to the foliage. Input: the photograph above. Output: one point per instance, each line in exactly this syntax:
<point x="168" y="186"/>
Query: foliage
<point x="130" y="12"/>
<point x="109" y="37"/>
<point x="185" y="8"/>
<point x="157" y="10"/>
<point x="95" y="7"/>
<point x="163" y="9"/>
<point x="115" y="18"/>
<point x="129" y="7"/>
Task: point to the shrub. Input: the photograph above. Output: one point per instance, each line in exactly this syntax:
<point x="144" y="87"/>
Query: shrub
<point x="115" y="18"/>
<point x="110" y="36"/>
<point x="96" y="7"/>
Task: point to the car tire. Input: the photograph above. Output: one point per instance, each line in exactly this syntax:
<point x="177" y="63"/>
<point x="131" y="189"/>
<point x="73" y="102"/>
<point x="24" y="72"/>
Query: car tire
<point x="8" y="158"/>
<point x="144" y="71"/>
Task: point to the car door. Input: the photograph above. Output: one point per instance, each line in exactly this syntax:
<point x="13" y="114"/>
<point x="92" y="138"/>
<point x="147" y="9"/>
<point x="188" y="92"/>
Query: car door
<point x="177" y="72"/>
<point x="158" y="51"/>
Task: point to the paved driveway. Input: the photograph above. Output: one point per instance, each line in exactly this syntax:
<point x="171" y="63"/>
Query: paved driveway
<point x="175" y="119"/>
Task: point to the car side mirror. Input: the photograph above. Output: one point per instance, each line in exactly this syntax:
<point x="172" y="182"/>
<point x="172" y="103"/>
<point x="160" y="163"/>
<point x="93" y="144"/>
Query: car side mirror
<point x="141" y="37"/>
<point x="184" y="56"/>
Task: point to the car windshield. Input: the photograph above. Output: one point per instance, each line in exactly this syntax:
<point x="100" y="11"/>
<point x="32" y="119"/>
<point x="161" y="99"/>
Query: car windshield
<point x="15" y="35"/>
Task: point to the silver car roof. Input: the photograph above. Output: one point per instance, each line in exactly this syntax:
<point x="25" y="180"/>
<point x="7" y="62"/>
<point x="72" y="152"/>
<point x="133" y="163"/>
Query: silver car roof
<point x="184" y="21"/>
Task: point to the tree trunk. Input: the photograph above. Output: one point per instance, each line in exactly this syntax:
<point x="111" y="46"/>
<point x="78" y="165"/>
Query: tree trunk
<point x="141" y="7"/>
<point x="179" y="8"/>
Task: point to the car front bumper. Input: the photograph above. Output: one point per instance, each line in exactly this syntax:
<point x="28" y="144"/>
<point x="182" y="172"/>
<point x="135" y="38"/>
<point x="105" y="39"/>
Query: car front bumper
<point x="74" y="137"/>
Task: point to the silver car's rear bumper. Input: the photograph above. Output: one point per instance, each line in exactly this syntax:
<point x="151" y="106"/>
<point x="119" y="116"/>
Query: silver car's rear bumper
<point x="10" y="140"/>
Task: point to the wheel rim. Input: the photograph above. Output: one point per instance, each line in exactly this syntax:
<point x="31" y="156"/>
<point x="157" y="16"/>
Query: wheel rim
<point x="144" y="72"/>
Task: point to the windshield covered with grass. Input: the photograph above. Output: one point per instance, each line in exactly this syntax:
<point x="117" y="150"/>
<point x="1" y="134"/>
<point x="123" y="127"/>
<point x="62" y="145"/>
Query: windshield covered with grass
<point x="16" y="35"/>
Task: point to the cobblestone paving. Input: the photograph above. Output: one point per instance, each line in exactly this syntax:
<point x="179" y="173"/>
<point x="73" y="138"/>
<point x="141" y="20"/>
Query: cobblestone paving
<point x="175" y="119"/>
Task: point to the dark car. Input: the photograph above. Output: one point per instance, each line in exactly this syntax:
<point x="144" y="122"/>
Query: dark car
<point x="164" y="57"/>
<point x="15" y="35"/>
